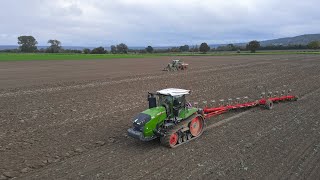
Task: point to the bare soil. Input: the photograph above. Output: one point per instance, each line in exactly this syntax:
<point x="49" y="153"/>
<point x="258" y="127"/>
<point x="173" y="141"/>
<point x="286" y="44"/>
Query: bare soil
<point x="68" y="119"/>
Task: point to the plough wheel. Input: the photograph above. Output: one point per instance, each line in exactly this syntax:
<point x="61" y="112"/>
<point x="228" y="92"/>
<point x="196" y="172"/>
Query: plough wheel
<point x="295" y="98"/>
<point x="269" y="104"/>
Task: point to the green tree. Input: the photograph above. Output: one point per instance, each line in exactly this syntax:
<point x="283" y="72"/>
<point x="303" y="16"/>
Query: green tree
<point x="231" y="47"/>
<point x="27" y="43"/>
<point x="86" y="51"/>
<point x="122" y="48"/>
<point x="195" y="49"/>
<point x="55" y="46"/>
<point x="184" y="48"/>
<point x="175" y="49"/>
<point x="149" y="49"/>
<point x="204" y="47"/>
<point x="98" y="50"/>
<point x="314" y="45"/>
<point x="70" y="51"/>
<point x="113" y="49"/>
<point x="253" y="46"/>
<point x="142" y="51"/>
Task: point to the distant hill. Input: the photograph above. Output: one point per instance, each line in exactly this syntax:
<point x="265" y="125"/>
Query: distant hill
<point x="3" y="47"/>
<point x="303" y="40"/>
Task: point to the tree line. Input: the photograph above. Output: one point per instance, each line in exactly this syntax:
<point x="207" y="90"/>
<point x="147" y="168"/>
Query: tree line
<point x="28" y="44"/>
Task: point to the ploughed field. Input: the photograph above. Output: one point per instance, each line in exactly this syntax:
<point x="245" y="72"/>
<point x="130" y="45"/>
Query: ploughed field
<point x="68" y="119"/>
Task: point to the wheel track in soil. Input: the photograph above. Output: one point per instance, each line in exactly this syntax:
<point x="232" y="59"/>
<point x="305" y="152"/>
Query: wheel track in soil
<point x="310" y="162"/>
<point x="304" y="151"/>
<point x="291" y="127"/>
<point x="292" y="157"/>
<point x="315" y="172"/>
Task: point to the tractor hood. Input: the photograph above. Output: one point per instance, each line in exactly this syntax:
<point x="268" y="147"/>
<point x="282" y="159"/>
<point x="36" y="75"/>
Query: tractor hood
<point x="154" y="112"/>
<point x="140" y="120"/>
<point x="144" y="117"/>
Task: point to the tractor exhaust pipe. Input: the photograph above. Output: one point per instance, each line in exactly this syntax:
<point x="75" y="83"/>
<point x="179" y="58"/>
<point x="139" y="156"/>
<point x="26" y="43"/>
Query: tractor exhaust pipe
<point x="152" y="100"/>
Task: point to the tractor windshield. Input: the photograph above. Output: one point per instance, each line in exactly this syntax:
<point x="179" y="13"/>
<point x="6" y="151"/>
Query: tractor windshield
<point x="179" y="101"/>
<point x="170" y="100"/>
<point x="165" y="100"/>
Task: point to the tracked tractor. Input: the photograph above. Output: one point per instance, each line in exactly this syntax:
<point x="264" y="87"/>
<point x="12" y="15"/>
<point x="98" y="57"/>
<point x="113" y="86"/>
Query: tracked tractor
<point x="172" y="119"/>
<point x="169" y="117"/>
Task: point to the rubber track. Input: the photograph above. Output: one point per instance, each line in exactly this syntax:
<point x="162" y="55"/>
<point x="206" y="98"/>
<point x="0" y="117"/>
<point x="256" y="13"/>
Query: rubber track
<point x="184" y="123"/>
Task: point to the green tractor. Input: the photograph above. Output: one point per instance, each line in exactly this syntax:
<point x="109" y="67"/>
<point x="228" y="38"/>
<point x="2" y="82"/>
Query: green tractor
<point x="169" y="118"/>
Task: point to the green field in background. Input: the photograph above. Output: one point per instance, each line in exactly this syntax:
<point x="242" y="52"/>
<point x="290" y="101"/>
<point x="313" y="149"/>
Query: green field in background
<point x="46" y="56"/>
<point x="58" y="56"/>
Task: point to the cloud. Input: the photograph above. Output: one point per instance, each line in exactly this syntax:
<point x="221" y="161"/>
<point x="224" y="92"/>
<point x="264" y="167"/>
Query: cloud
<point x="156" y="22"/>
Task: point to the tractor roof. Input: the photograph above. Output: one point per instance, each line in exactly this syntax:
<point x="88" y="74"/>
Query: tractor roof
<point x="174" y="92"/>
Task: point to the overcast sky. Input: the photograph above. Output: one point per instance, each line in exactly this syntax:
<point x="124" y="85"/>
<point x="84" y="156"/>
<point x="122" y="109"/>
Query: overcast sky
<point x="156" y="22"/>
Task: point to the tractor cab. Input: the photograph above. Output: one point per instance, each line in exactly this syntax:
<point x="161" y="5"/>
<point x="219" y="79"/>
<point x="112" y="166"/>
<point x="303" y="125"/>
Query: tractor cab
<point x="172" y="99"/>
<point x="176" y="61"/>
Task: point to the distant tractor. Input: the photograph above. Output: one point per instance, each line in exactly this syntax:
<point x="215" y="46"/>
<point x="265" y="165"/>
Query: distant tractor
<point x="176" y="65"/>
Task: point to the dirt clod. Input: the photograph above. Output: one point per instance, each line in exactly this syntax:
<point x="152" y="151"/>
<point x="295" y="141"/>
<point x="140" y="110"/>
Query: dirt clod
<point x="111" y="140"/>
<point x="79" y="150"/>
<point x="25" y="170"/>
<point x="101" y="143"/>
<point x="2" y="177"/>
<point x="10" y="174"/>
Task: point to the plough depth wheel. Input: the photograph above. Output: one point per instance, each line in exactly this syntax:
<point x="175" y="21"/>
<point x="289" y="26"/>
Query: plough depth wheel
<point x="269" y="104"/>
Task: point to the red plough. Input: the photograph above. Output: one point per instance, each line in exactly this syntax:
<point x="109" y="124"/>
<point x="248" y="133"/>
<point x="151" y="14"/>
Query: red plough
<point x="266" y="102"/>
